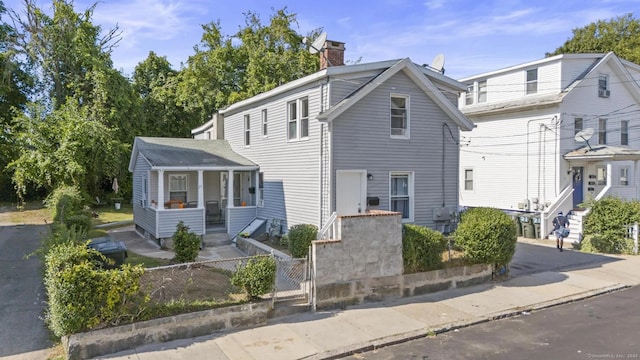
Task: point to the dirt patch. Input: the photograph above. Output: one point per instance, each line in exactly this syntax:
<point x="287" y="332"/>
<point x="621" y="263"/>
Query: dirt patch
<point x="189" y="283"/>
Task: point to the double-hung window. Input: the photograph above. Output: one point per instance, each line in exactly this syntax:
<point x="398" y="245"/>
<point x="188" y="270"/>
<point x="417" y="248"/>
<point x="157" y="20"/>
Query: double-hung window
<point x="624" y="132"/>
<point x="401" y="194"/>
<point x="532" y="81"/>
<point x="577" y="125"/>
<point x="247" y="130"/>
<point x="468" y="179"/>
<point x="298" y="119"/>
<point x="400" y="116"/>
<point x="468" y="97"/>
<point x="482" y="91"/>
<point x="624" y="176"/>
<point x="261" y="189"/>
<point x="178" y="187"/>
<point x="603" y="86"/>
<point x="601" y="175"/>
<point x="602" y="131"/>
<point x="264" y="122"/>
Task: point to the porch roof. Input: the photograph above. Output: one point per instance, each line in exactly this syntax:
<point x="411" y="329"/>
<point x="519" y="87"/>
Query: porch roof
<point x="602" y="152"/>
<point x="182" y="153"/>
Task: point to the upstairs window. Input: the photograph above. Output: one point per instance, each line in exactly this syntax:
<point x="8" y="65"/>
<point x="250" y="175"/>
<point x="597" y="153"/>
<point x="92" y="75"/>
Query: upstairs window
<point x="264" y="122"/>
<point x="298" y="119"/>
<point x="468" y="179"/>
<point x="577" y="125"/>
<point x="399" y="116"/>
<point x="603" y="86"/>
<point x="532" y="81"/>
<point x="624" y="132"/>
<point x="482" y="91"/>
<point x="468" y="98"/>
<point x="247" y="130"/>
<point x="602" y="131"/>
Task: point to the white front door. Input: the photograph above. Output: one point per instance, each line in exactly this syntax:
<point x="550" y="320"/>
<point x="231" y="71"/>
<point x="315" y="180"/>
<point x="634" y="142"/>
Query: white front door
<point x="351" y="192"/>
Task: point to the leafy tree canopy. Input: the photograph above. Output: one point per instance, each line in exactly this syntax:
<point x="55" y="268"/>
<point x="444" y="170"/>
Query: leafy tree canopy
<point x="620" y="35"/>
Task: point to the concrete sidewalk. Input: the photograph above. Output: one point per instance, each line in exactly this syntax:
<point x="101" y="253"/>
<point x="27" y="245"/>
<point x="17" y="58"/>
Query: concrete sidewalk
<point x="331" y="334"/>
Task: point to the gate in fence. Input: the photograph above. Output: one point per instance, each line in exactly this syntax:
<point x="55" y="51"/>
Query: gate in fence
<point x="292" y="279"/>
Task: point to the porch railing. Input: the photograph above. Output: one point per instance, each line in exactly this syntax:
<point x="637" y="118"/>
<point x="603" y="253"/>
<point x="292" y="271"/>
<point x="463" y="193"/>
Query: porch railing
<point x="330" y="229"/>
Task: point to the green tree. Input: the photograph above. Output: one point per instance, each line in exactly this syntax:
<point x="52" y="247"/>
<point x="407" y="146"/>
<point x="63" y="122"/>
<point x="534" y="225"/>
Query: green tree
<point x="620" y="35"/>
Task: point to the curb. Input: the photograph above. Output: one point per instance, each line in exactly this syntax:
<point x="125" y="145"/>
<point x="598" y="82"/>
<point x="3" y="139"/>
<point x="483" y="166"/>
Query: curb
<point x="417" y="334"/>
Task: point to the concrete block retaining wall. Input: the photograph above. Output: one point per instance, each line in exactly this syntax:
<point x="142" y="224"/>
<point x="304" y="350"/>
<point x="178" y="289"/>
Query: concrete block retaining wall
<point x="111" y="340"/>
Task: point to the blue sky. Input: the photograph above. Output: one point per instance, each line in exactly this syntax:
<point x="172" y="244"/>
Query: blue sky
<point x="475" y="36"/>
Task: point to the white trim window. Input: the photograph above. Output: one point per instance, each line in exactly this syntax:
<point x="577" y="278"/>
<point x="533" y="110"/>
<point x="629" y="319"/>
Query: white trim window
<point x="602" y="131"/>
<point x="298" y="119"/>
<point x="178" y="187"/>
<point x="482" y="91"/>
<point x="468" y="179"/>
<point x="601" y="175"/>
<point x="261" y="189"/>
<point x="468" y="97"/>
<point x="624" y="132"/>
<point x="401" y="194"/>
<point x="247" y="130"/>
<point x="603" y="86"/>
<point x="532" y="81"/>
<point x="264" y="122"/>
<point x="145" y="190"/>
<point x="578" y="125"/>
<point x="624" y="176"/>
<point x="399" y="116"/>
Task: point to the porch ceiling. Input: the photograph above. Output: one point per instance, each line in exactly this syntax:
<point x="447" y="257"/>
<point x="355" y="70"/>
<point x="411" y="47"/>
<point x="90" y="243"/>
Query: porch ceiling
<point x="181" y="153"/>
<point x="602" y="152"/>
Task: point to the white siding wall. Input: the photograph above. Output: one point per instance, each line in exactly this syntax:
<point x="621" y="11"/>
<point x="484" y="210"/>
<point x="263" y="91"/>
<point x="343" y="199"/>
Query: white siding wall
<point x="572" y="68"/>
<point x="361" y="140"/>
<point x="509" y="165"/>
<point x="291" y="168"/>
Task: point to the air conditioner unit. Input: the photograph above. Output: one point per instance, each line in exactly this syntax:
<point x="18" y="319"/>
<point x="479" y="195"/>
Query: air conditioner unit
<point x="604" y="93"/>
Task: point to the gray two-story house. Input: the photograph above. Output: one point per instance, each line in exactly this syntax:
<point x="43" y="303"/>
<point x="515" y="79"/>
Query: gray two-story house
<point x="345" y="140"/>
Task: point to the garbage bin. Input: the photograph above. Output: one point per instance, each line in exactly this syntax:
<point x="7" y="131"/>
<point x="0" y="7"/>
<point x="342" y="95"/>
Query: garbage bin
<point x="114" y="250"/>
<point x="536" y="226"/>
<point x="528" y="230"/>
<point x="516" y="218"/>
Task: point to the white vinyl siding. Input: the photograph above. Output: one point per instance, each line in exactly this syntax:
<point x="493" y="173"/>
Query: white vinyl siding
<point x="399" y="116"/>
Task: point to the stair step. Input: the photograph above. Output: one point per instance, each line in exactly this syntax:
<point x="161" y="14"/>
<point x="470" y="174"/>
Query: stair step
<point x="216" y="239"/>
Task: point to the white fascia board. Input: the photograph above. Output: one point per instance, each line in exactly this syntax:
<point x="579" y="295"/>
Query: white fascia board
<point x="205" y="168"/>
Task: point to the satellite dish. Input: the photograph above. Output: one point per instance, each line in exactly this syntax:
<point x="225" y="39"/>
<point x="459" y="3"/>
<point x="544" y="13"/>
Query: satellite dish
<point x="438" y="63"/>
<point x="318" y="44"/>
<point x="584" y="135"/>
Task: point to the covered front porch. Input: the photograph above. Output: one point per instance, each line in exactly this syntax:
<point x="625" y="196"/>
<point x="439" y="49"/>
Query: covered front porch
<point x="202" y="183"/>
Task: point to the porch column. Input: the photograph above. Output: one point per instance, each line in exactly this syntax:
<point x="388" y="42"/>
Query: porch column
<point x="160" y="189"/>
<point x="200" y="189"/>
<point x="609" y="174"/>
<point x="230" y="190"/>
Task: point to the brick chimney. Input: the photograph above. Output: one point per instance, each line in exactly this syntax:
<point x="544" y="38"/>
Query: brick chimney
<point x="332" y="54"/>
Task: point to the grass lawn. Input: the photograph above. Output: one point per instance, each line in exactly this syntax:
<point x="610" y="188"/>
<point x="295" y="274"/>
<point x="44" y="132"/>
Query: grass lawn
<point x="34" y="213"/>
<point x="109" y="214"/>
<point x="147" y="262"/>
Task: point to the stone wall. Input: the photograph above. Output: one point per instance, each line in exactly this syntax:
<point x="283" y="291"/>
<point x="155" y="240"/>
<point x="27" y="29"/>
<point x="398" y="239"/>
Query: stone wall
<point x="111" y="340"/>
<point x="366" y="265"/>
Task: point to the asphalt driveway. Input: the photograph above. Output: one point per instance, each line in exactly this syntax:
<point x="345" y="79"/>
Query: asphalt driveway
<point x="22" y="294"/>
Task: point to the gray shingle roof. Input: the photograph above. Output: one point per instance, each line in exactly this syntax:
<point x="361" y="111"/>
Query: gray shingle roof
<point x="177" y="152"/>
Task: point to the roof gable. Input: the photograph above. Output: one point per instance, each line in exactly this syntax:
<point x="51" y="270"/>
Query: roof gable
<point x="414" y="73"/>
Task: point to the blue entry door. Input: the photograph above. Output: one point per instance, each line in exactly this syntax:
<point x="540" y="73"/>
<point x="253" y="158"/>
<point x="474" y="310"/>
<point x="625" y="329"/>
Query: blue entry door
<point x="578" y="186"/>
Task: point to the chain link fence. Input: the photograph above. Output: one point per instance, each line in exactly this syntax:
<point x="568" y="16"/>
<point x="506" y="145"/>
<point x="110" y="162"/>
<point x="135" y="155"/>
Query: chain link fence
<point x="211" y="281"/>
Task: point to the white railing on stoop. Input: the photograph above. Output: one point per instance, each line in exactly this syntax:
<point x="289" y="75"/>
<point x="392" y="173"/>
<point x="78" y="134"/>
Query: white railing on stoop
<point x="328" y="231"/>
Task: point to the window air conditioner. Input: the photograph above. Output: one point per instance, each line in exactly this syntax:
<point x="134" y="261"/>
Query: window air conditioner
<point x="604" y="93"/>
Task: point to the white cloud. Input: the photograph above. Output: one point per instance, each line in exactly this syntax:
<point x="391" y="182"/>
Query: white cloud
<point x="434" y="4"/>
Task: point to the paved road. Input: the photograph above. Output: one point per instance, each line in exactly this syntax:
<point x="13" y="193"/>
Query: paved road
<point x="22" y="329"/>
<point x="604" y="327"/>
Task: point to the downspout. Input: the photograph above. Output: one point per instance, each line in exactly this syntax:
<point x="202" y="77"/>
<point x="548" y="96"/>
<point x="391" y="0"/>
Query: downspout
<point x="321" y="167"/>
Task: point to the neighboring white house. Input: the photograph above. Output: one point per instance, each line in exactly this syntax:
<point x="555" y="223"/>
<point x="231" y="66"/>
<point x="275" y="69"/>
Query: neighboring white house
<point x="523" y="154"/>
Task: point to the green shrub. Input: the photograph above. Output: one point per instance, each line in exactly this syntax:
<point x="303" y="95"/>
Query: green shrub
<point x="606" y="245"/>
<point x="186" y="244"/>
<point x="607" y="222"/>
<point x="257" y="277"/>
<point x="82" y="221"/>
<point x="487" y="236"/>
<point x="300" y="238"/>
<point x="82" y="296"/>
<point x="422" y="248"/>
<point x="64" y="202"/>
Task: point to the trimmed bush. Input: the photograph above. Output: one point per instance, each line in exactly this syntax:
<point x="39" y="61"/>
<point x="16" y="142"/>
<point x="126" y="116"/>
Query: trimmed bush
<point x="186" y="244"/>
<point x="607" y="223"/>
<point x="64" y="202"/>
<point x="257" y="277"/>
<point x="82" y="296"/>
<point x="487" y="236"/>
<point x="422" y="248"/>
<point x="82" y="221"/>
<point x="300" y="238"/>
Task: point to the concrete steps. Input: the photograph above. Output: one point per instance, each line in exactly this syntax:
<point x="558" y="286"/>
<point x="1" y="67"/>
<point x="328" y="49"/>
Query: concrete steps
<point x="215" y="239"/>
<point x="575" y="226"/>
